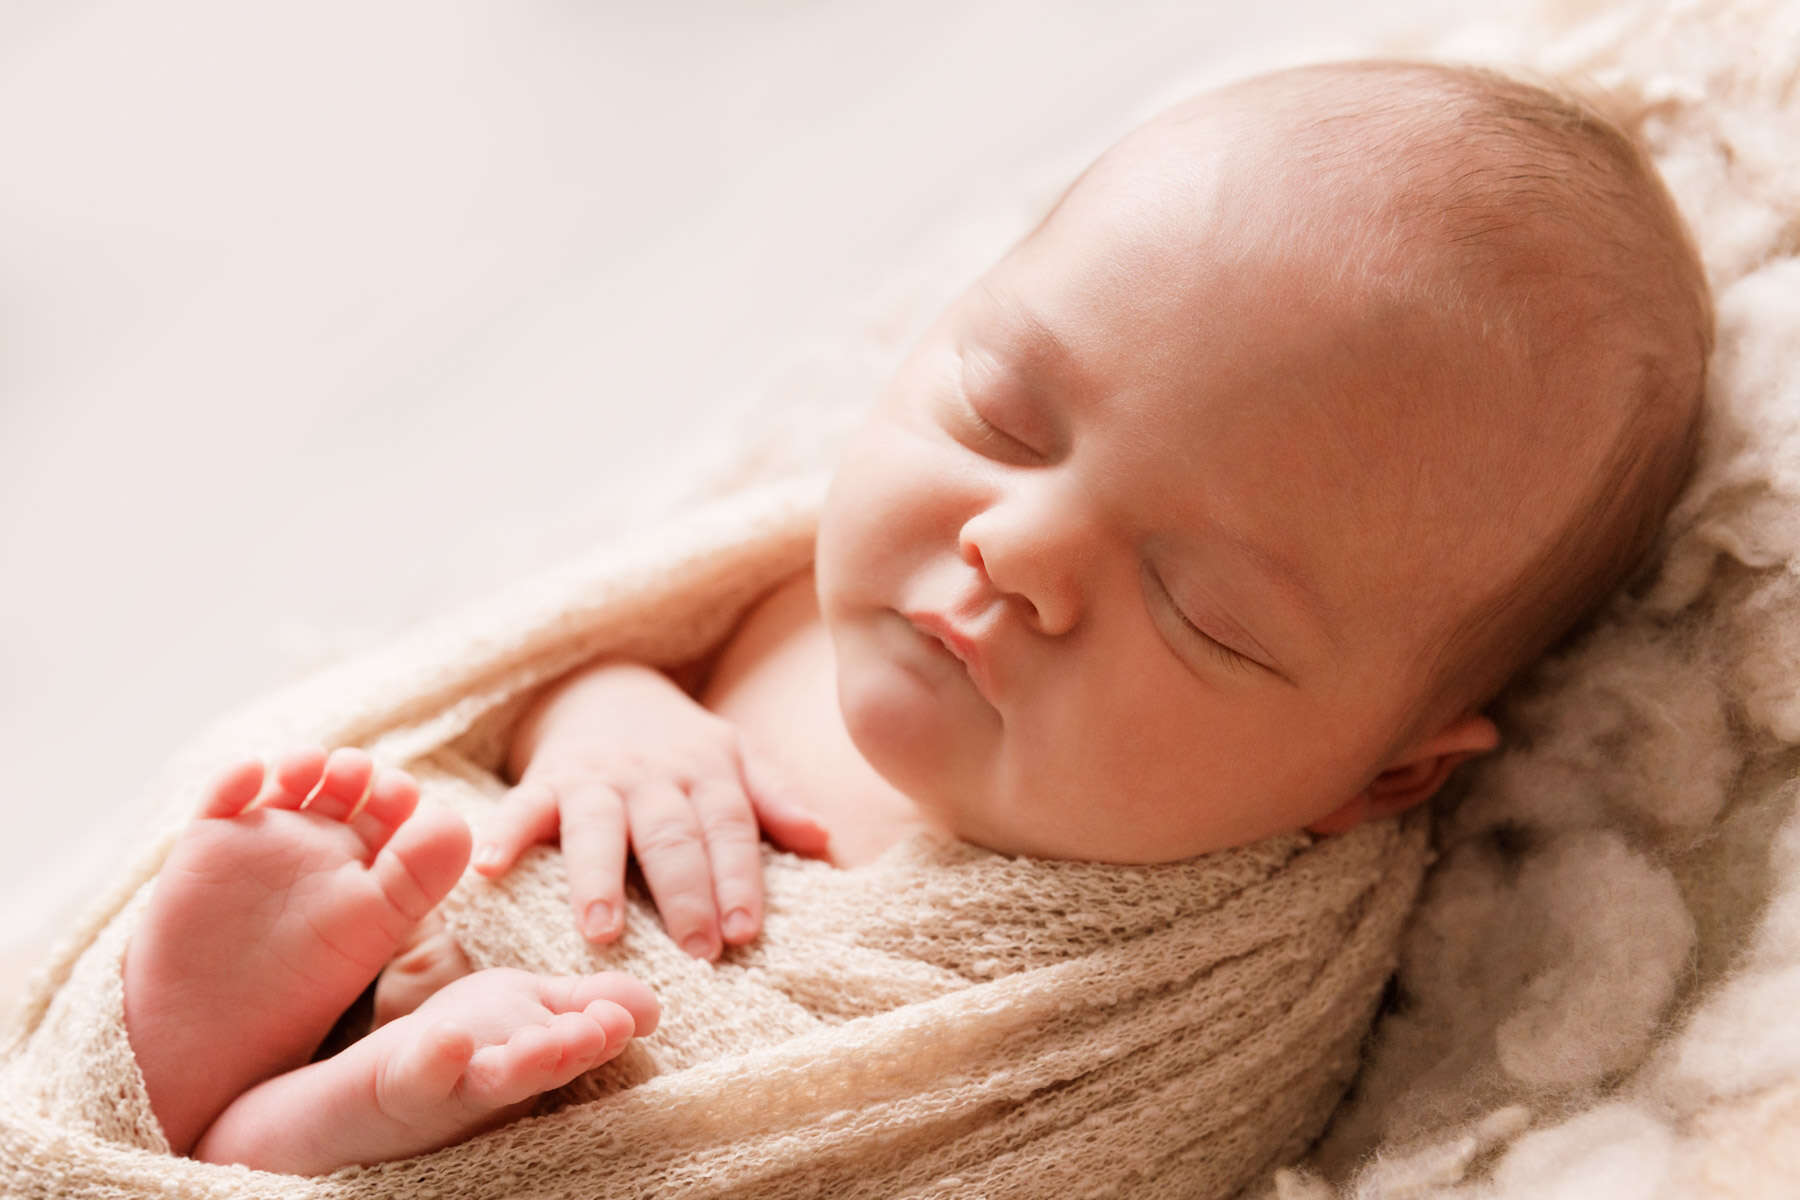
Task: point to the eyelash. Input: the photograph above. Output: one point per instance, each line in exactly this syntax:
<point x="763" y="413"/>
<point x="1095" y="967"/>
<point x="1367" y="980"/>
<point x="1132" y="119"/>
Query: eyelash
<point x="989" y="435"/>
<point x="1219" y="650"/>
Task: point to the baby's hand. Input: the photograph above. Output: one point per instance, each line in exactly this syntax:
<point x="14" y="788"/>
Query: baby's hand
<point x="619" y="757"/>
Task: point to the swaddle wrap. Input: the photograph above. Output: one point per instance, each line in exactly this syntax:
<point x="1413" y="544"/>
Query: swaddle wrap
<point x="943" y="1021"/>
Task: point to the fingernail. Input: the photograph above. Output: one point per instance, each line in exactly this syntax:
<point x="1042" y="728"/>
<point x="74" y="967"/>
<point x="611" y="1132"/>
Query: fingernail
<point x="698" y="945"/>
<point x="598" y="920"/>
<point x="738" y="926"/>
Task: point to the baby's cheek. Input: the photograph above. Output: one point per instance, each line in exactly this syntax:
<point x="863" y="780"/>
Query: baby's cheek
<point x="856" y="507"/>
<point x="884" y="715"/>
<point x="835" y="554"/>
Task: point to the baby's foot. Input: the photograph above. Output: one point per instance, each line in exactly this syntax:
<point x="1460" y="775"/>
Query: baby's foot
<point x="269" y="919"/>
<point x="470" y="1057"/>
<point x="430" y="961"/>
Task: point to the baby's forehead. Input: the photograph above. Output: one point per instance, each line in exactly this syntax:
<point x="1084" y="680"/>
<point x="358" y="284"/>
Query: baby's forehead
<point x="1381" y="422"/>
<point x="1449" y="305"/>
<point x="1405" y="162"/>
<point x="1228" y="203"/>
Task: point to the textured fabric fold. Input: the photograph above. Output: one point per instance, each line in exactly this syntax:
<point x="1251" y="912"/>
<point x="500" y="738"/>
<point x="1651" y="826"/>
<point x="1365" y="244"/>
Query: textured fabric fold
<point x="942" y="1021"/>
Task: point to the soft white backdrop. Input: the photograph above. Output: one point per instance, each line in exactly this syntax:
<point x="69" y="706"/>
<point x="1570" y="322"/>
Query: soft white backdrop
<point x="317" y="319"/>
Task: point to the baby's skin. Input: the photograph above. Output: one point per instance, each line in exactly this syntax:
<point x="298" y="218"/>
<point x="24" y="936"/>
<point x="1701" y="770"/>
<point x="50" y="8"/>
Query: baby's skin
<point x="1162" y="540"/>
<point x="277" y="907"/>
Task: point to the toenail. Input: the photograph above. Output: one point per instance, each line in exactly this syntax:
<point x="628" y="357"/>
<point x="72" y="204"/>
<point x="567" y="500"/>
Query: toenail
<point x="598" y="920"/>
<point x="698" y="945"/>
<point x="488" y="856"/>
<point x="738" y="925"/>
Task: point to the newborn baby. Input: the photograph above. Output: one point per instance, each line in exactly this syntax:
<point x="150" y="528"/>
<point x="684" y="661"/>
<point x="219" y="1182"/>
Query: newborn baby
<point x="1315" y="409"/>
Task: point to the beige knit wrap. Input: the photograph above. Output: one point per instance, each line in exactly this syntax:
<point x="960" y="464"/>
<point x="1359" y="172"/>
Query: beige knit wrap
<point x="941" y="1022"/>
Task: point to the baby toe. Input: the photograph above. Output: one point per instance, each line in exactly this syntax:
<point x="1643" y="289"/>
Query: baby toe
<point x="513" y="1070"/>
<point x="424" y="1072"/>
<point x="348" y="773"/>
<point x="296" y="774"/>
<point x="422" y="862"/>
<point x="623" y="992"/>
<point x="585" y="1039"/>
<point x="233" y="790"/>
<point x="393" y="795"/>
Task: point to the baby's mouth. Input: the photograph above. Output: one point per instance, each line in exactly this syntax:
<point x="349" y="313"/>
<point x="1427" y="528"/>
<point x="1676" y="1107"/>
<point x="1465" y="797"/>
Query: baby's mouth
<point x="940" y="631"/>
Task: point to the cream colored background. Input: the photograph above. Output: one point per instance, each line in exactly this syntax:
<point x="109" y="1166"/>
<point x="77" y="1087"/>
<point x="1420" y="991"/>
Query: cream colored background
<point x="317" y="319"/>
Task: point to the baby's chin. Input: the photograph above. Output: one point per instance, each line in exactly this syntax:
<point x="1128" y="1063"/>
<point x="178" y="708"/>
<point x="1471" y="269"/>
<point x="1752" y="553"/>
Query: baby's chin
<point x="1104" y="824"/>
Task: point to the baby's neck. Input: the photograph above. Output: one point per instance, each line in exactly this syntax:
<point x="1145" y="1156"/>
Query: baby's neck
<point x="776" y="681"/>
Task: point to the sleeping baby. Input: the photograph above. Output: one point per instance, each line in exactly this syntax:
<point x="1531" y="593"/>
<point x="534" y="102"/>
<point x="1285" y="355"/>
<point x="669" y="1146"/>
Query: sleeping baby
<point x="1314" y="410"/>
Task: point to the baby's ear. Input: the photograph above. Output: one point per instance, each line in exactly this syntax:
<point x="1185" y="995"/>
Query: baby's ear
<point x="1415" y="775"/>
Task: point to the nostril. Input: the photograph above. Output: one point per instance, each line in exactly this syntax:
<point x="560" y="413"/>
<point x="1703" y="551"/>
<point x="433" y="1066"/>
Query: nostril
<point x="971" y="554"/>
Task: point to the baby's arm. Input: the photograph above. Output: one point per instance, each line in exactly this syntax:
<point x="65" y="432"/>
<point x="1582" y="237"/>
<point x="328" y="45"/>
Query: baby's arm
<point x="617" y="756"/>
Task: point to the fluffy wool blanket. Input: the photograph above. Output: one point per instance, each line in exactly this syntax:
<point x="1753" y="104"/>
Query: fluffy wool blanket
<point x="944" y="1021"/>
<point x="1600" y="995"/>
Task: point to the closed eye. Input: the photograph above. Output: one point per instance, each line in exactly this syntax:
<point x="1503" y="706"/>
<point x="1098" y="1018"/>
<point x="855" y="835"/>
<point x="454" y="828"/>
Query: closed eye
<point x="984" y="437"/>
<point x="1162" y="601"/>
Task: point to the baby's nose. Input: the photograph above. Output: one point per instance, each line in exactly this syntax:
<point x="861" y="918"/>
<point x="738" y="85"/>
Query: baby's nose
<point x="1035" y="564"/>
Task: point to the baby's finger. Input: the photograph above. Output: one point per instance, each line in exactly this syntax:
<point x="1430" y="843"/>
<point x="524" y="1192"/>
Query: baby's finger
<point x="666" y="836"/>
<point x="735" y="852"/>
<point x="593" y="842"/>
<point x="788" y="823"/>
<point x="527" y="816"/>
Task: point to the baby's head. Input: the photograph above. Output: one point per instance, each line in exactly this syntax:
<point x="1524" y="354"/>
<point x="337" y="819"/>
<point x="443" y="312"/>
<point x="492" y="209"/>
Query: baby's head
<point x="1316" y="408"/>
